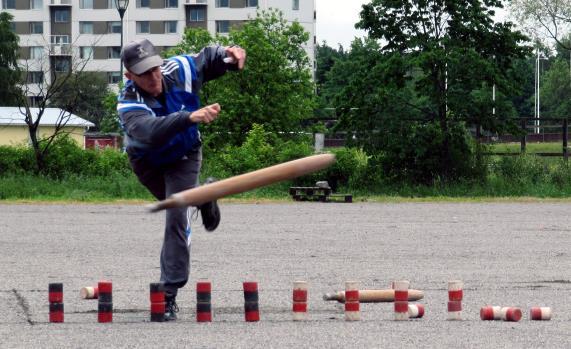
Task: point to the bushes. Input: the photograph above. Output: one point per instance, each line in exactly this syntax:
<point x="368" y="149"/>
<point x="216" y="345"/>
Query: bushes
<point x="74" y="173"/>
<point x="351" y="169"/>
<point x="519" y="172"/>
<point x="64" y="159"/>
<point x="421" y="153"/>
<point x="260" y="149"/>
<point x="522" y="170"/>
<point x="16" y="160"/>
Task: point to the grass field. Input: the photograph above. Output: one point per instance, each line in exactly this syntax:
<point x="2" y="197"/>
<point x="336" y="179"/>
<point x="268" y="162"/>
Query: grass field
<point x="552" y="147"/>
<point x="511" y="177"/>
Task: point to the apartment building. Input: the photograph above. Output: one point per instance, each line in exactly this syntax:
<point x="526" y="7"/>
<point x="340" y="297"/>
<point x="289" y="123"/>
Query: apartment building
<point x="61" y="32"/>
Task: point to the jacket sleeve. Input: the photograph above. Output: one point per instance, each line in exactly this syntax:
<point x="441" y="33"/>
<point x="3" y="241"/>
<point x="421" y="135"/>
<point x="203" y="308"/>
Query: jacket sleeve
<point x="145" y="128"/>
<point x="210" y="65"/>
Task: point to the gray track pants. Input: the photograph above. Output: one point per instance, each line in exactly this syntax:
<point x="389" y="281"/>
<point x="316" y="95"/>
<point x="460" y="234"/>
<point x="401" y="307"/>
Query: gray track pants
<point x="162" y="182"/>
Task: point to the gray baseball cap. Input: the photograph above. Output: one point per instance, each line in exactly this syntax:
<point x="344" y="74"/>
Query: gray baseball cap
<point x="139" y="56"/>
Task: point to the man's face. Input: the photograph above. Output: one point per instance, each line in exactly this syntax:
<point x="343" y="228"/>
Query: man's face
<point x="150" y="81"/>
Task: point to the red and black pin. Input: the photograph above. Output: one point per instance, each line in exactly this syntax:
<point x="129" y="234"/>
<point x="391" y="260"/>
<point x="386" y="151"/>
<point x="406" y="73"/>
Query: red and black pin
<point x="157" y="297"/>
<point x="251" y="299"/>
<point x="105" y="305"/>
<point x="55" y="297"/>
<point x="203" y="301"/>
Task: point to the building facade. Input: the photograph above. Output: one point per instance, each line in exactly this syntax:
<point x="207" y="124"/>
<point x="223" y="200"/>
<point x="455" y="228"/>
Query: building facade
<point x="61" y="32"/>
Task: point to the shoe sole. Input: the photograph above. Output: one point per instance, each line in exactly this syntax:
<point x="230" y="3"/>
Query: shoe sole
<point x="216" y="214"/>
<point x="215" y="209"/>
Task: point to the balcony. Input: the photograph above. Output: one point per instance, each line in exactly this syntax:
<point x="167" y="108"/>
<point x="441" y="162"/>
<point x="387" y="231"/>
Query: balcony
<point x="60" y="50"/>
<point x="60" y="46"/>
<point x="60" y="3"/>
<point x="196" y="2"/>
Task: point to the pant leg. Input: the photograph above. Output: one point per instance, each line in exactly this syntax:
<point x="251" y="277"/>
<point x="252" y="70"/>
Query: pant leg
<point x="175" y="253"/>
<point x="152" y="177"/>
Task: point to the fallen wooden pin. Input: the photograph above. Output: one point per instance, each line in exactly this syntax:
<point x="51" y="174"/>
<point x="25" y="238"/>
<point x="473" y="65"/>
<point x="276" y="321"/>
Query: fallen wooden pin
<point x="374" y="296"/>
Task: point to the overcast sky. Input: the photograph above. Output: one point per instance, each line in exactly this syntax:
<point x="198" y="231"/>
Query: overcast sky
<point x="336" y="21"/>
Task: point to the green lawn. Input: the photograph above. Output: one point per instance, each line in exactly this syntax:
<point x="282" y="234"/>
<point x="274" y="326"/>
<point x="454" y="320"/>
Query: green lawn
<point x="553" y="147"/>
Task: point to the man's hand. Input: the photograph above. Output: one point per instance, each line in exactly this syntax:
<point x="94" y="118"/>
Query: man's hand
<point x="236" y="55"/>
<point x="205" y="115"/>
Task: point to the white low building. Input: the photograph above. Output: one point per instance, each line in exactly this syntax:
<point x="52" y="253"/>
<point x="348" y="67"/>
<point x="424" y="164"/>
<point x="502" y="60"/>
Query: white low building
<point x="14" y="130"/>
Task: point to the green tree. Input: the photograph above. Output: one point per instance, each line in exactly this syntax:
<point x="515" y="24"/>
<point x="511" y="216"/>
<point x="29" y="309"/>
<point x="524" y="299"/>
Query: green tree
<point x="562" y="49"/>
<point x="325" y="58"/>
<point x="9" y="71"/>
<point x="365" y="97"/>
<point x="83" y="94"/>
<point x="110" y="122"/>
<point x="193" y="41"/>
<point x="556" y="91"/>
<point x="440" y="53"/>
<point x="275" y="89"/>
<point x="523" y="101"/>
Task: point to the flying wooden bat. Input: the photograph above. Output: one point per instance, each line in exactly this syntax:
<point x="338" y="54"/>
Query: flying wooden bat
<point x="245" y="182"/>
<point x="373" y="296"/>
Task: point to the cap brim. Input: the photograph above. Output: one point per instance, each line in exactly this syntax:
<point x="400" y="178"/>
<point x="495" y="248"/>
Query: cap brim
<point x="146" y="64"/>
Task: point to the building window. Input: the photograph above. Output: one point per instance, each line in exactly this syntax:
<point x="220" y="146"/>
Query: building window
<point x="86" y="52"/>
<point x="143" y="3"/>
<point x="114" y="52"/>
<point x="61" y="16"/>
<point x="171" y="3"/>
<point x="59" y="39"/>
<point x="252" y="3"/>
<point x="170" y="27"/>
<point x="61" y="65"/>
<point x="86" y="4"/>
<point x="36" y="4"/>
<point x="35" y="77"/>
<point x="295" y="5"/>
<point x="113" y="77"/>
<point x="12" y="26"/>
<point x="9" y="4"/>
<point x="36" y="28"/>
<point x="197" y="14"/>
<point x="143" y="27"/>
<point x="222" y="27"/>
<point x="114" y="27"/>
<point x="36" y="52"/>
<point x="222" y="3"/>
<point x="85" y="27"/>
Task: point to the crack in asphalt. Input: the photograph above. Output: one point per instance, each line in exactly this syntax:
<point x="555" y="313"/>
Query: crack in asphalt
<point x="24" y="305"/>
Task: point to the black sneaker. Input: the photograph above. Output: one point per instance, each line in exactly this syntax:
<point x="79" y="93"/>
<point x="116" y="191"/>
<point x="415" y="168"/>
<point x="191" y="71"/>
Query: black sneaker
<point x="171" y="309"/>
<point x="210" y="212"/>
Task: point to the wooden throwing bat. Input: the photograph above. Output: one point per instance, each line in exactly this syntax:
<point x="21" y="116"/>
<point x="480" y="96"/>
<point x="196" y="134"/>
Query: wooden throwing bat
<point x="248" y="181"/>
<point x="373" y="296"/>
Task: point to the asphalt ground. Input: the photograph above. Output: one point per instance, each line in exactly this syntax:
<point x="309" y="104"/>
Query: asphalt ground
<point x="507" y="254"/>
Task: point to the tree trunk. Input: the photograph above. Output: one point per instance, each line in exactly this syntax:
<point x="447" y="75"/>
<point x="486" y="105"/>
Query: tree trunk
<point x="446" y="161"/>
<point x="39" y="156"/>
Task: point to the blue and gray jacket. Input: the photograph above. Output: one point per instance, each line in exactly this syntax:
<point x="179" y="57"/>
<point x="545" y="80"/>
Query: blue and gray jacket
<point x="163" y="133"/>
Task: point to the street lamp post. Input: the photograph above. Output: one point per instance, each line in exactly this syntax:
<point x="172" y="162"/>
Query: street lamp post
<point x="121" y="8"/>
<point x="540" y="56"/>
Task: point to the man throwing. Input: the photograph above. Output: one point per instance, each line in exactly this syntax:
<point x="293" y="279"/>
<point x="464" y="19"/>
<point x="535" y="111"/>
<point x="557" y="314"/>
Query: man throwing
<point x="160" y="112"/>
